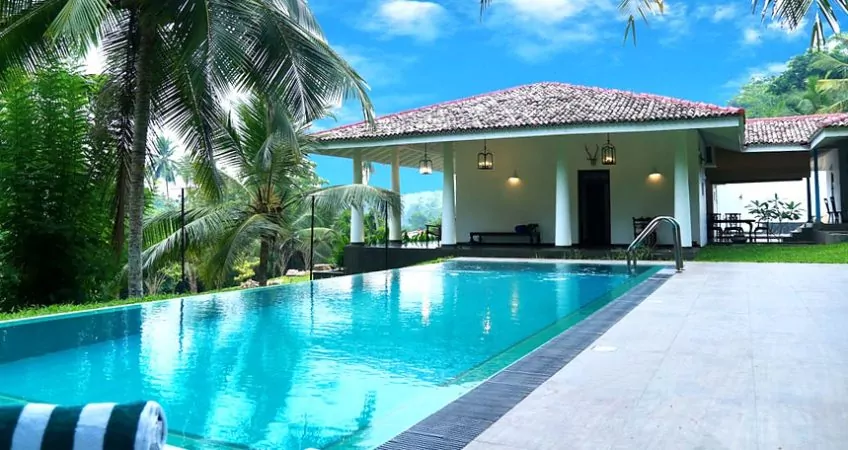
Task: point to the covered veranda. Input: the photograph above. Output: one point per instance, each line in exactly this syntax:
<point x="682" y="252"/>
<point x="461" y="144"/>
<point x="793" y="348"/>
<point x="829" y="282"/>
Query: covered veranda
<point x="580" y="174"/>
<point x="780" y="149"/>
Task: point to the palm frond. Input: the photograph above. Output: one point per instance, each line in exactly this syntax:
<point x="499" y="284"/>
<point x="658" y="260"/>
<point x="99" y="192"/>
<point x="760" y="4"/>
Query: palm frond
<point x="24" y="25"/>
<point x="79" y="22"/>
<point x="234" y="244"/>
<point x="357" y="195"/>
<point x="301" y="69"/>
<point x="204" y="227"/>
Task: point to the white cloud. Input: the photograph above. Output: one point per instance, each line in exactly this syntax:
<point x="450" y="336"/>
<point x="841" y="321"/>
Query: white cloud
<point x="421" y="20"/>
<point x="751" y="36"/>
<point x="754" y="73"/>
<point x="718" y="13"/>
<point x="773" y="31"/>
<point x="539" y="29"/>
<point x="547" y="11"/>
<point x="675" y="22"/>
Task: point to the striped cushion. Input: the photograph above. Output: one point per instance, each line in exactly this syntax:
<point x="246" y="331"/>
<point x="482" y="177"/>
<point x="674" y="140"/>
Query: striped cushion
<point x="104" y="426"/>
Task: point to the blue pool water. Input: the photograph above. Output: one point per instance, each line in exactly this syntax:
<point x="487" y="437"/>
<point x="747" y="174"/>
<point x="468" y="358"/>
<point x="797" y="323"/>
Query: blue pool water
<point x="341" y="363"/>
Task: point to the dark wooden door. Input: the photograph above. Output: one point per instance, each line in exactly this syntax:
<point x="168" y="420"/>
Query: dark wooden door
<point x="594" y="206"/>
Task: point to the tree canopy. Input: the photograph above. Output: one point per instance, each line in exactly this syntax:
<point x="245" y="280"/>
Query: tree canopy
<point x="172" y="63"/>
<point x="813" y="82"/>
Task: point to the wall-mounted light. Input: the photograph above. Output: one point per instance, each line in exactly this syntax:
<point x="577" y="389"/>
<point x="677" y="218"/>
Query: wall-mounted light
<point x="425" y="166"/>
<point x="655" y="175"/>
<point x="514" y="178"/>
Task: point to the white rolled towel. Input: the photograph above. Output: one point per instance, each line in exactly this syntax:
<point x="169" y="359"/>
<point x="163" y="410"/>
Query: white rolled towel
<point x="106" y="426"/>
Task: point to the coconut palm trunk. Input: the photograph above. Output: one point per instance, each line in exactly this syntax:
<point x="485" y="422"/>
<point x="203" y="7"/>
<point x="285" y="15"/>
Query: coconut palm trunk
<point x="264" y="256"/>
<point x="141" y="122"/>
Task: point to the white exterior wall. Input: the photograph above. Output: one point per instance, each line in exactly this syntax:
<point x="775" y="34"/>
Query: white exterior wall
<point x="486" y="202"/>
<point x="830" y="180"/>
<point x="698" y="191"/>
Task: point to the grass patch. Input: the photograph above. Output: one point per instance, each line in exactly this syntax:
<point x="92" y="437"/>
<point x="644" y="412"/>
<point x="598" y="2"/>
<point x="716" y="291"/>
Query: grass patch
<point x="435" y="261"/>
<point x="35" y="311"/>
<point x="288" y="280"/>
<point x="789" y="253"/>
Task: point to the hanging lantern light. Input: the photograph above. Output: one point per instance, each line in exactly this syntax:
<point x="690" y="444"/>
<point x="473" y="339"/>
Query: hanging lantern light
<point x="608" y="153"/>
<point x="485" y="160"/>
<point x="425" y="166"/>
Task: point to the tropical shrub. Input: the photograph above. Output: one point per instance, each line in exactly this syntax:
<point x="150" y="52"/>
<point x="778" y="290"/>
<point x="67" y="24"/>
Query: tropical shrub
<point x="775" y="209"/>
<point x="55" y="245"/>
<point x="267" y="208"/>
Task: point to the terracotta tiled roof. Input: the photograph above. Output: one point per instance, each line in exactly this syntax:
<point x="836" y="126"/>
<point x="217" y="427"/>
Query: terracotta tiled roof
<point x="790" y="130"/>
<point x="836" y="121"/>
<point x="533" y="105"/>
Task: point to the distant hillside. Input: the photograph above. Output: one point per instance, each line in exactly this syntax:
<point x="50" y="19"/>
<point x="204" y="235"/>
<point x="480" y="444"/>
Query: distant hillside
<point x="421" y="208"/>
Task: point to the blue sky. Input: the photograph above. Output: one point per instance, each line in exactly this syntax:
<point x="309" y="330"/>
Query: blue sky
<point x="416" y="53"/>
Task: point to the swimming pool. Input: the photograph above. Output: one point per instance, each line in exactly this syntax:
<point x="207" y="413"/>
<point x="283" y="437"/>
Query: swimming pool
<point x="340" y="363"/>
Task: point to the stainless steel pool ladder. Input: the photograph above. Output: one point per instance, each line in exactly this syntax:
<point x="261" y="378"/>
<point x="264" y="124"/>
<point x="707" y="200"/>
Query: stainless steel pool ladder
<point x="678" y="248"/>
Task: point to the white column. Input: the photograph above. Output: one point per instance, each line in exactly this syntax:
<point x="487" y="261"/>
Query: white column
<point x="682" y="206"/>
<point x="357" y="231"/>
<point x="562" y="227"/>
<point x="448" y="198"/>
<point x="394" y="220"/>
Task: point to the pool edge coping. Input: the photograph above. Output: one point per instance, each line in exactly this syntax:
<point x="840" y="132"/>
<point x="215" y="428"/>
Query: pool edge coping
<point x="458" y="423"/>
<point x="102" y="309"/>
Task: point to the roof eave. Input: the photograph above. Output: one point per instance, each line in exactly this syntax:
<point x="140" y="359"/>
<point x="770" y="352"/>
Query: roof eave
<point x="825" y="133"/>
<point x="776" y="148"/>
<point x="727" y="121"/>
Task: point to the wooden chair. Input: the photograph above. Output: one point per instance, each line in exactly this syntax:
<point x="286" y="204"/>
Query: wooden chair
<point x="716" y="229"/>
<point x="639" y="224"/>
<point x="837" y="214"/>
<point x="734" y="230"/>
<point x="761" y="226"/>
<point x="831" y="214"/>
<point x="434" y="231"/>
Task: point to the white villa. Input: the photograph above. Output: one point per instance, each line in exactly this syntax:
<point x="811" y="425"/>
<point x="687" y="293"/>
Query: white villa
<point x="584" y="162"/>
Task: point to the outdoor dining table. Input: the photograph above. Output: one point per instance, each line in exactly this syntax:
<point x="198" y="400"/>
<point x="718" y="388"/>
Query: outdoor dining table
<point x="749" y="222"/>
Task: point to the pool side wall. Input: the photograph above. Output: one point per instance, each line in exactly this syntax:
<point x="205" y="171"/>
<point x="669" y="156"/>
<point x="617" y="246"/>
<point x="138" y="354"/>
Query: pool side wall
<point x="361" y="259"/>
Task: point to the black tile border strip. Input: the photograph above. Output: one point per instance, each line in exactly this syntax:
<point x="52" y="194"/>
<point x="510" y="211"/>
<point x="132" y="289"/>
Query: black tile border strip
<point x="461" y="421"/>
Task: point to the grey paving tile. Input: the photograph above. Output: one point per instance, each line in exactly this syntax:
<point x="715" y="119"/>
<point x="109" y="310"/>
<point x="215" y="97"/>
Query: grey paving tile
<point x="802" y="425"/>
<point x="477" y="445"/>
<point x="795" y="348"/>
<point x="680" y="422"/>
<point x="722" y="356"/>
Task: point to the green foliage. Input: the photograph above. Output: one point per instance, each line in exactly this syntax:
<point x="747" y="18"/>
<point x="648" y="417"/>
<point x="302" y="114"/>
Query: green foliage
<point x="813" y="82"/>
<point x="164" y="166"/>
<point x="55" y="242"/>
<point x="763" y="211"/>
<point x="813" y="254"/>
<point x="266" y="212"/>
<point x="172" y="64"/>
<point x="422" y="209"/>
<point x="245" y="269"/>
<point x="775" y="209"/>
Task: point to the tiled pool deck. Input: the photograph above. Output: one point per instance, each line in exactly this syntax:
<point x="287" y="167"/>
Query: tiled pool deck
<point x="722" y="356"/>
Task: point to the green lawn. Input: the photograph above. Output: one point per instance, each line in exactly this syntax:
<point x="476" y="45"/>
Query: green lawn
<point x="56" y="309"/>
<point x="828" y="254"/>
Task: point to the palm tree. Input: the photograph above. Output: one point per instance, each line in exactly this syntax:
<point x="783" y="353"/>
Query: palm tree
<point x="834" y="87"/>
<point x="165" y="167"/>
<point x="788" y="12"/>
<point x="269" y="201"/>
<point x="171" y="62"/>
<point x="367" y="171"/>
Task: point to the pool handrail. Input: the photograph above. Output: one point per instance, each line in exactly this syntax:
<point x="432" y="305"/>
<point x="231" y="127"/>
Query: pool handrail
<point x="652" y="225"/>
